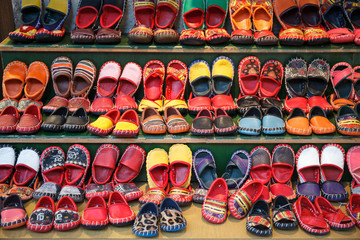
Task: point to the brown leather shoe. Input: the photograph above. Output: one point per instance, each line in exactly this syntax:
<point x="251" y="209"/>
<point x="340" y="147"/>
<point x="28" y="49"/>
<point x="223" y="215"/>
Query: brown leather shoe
<point x="288" y="14"/>
<point x="152" y="122"/>
<point x="175" y="122"/>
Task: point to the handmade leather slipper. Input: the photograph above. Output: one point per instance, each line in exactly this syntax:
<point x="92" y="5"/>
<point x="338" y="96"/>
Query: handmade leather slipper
<point x="308" y="169"/>
<point x="128" y="124"/>
<point x="204" y="168"/>
<point x="95" y="215"/>
<point x="67" y="216"/>
<point x="84" y="77"/>
<point x="267" y="103"/>
<point x="297" y="123"/>
<point x="250" y="123"/>
<point x="214" y="208"/>
<point x="56" y="120"/>
<point x="129" y="190"/>
<point x="104" y="125"/>
<point x="120" y="213"/>
<point x="62" y="75"/>
<point x="273" y="122"/>
<point x="157" y="167"/>
<point x="310" y="12"/>
<point x="30" y="121"/>
<point x="172" y="219"/>
<point x="9" y="118"/>
<point x="242" y="200"/>
<point x="13" y="214"/>
<point x="130" y="164"/>
<point x="7" y="163"/>
<point x="246" y="102"/>
<point x="309" y="218"/>
<point x="52" y="162"/>
<point x="199" y="78"/>
<point x="347" y="121"/>
<point x="180" y="160"/>
<point x="352" y="11"/>
<point x="129" y="83"/>
<point x="282" y="165"/>
<point x="42" y="218"/>
<point x="197" y="104"/>
<point x="182" y="196"/>
<point x="249" y="75"/>
<point x="36" y="80"/>
<point x="77" y="121"/>
<point x="354" y="168"/>
<point x="154" y="195"/>
<point x="104" y="163"/>
<point x="224" y="102"/>
<point x="271" y="77"/>
<point x="110" y="19"/>
<point x="166" y="13"/>
<point x="152" y="122"/>
<point x="215" y="19"/>
<point x="53" y="19"/>
<point x="195" y="37"/>
<point x="223" y="123"/>
<point x="283" y="215"/>
<point x="238" y="169"/>
<point x="144" y="12"/>
<point x="240" y="18"/>
<point x="316" y="36"/>
<point x="176" y="80"/>
<point x="334" y="217"/>
<point x="341" y="75"/>
<point x="319" y="122"/>
<point x="352" y="208"/>
<point x="261" y="165"/>
<point x="148" y="214"/>
<point x="332" y="168"/>
<point x="86" y="19"/>
<point x="14" y="79"/>
<point x="258" y="220"/>
<point x="193" y="16"/>
<point x="203" y="124"/>
<point x="288" y="14"/>
<point x="262" y="17"/>
<point x="108" y="79"/>
<point x="31" y="11"/>
<point x="292" y="37"/>
<point x="175" y="122"/>
<point x="222" y="75"/>
<point x="166" y="36"/>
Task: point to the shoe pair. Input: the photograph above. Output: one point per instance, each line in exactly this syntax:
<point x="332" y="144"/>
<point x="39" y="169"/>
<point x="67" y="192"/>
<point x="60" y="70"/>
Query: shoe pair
<point x="153" y="123"/>
<point x="103" y="16"/>
<point x="253" y="122"/>
<point x="170" y="219"/>
<point x="103" y="169"/>
<point x="67" y="83"/>
<point x="195" y="19"/>
<point x="42" y="26"/>
<point x="329" y="165"/>
<point x="45" y="216"/>
<point x="205" y="125"/>
<point x="160" y="167"/>
<point x="18" y="77"/>
<point x="64" y="177"/>
<point x="98" y="214"/>
<point x="60" y="120"/>
<point x="162" y="19"/>
<point x="24" y="179"/>
<point x="154" y="77"/>
<point x="255" y="15"/>
<point x="317" y="122"/>
<point x="293" y="16"/>
<point x="215" y="84"/>
<point x="28" y="123"/>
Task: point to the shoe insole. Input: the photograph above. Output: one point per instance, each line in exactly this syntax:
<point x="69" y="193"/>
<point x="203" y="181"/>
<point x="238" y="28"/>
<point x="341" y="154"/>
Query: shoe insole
<point x="269" y="86"/>
<point x="86" y="16"/>
<point x="145" y="17"/>
<point x="310" y="174"/>
<point x="250" y="83"/>
<point x="175" y="86"/>
<point x="194" y="18"/>
<point x="106" y="86"/>
<point x="214" y="16"/>
<point x="252" y="191"/>
<point x="153" y="88"/>
<point x="80" y="85"/>
<point x="102" y="174"/>
<point x="221" y="84"/>
<point x="29" y="14"/>
<point x="241" y="19"/>
<point x="73" y="173"/>
<point x="291" y="17"/>
<point x="355" y="17"/>
<point x="45" y="202"/>
<point x="110" y="16"/>
<point x="5" y="172"/>
<point x="124" y="173"/>
<point x="335" y="17"/>
<point x="217" y="192"/>
<point x="331" y="173"/>
<point x="310" y="15"/>
<point x="164" y="16"/>
<point x="52" y="17"/>
<point x="262" y="173"/>
<point x="282" y="172"/>
<point x="316" y="85"/>
<point x="56" y="175"/>
<point x="180" y="173"/>
<point x="126" y="88"/>
<point x="261" y="20"/>
<point x="159" y="176"/>
<point x="33" y="86"/>
<point x="201" y="86"/>
<point x="297" y="85"/>
<point x="13" y="87"/>
<point x="62" y="84"/>
<point x="208" y="175"/>
<point x="344" y="88"/>
<point x="23" y="175"/>
<point x="234" y="172"/>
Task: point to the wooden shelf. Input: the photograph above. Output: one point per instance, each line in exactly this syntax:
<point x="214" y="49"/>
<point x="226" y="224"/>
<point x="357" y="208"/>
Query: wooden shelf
<point x="197" y="228"/>
<point x="126" y="47"/>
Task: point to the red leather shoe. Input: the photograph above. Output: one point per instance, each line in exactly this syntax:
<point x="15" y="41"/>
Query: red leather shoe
<point x="9" y="118"/>
<point x="42" y="218"/>
<point x="95" y="215"/>
<point x="30" y="121"/>
<point x="67" y="216"/>
<point x="196" y="104"/>
<point x="120" y="213"/>
<point x="225" y="102"/>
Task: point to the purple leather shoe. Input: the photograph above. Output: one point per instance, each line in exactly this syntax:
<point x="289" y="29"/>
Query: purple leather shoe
<point x="237" y="170"/>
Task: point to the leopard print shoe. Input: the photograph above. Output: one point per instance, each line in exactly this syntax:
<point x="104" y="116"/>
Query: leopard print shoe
<point x="146" y="222"/>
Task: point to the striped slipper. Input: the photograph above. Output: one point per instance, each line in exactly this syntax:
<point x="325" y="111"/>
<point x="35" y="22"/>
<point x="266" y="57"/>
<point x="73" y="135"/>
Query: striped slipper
<point x="283" y="214"/>
<point x="67" y="216"/>
<point x="214" y="208"/>
<point x="153" y="195"/>
<point x="182" y="196"/>
<point x="258" y="221"/>
<point x="42" y="218"/>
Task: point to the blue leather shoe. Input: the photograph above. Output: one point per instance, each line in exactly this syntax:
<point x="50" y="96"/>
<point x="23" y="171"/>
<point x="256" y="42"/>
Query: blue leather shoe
<point x="273" y="122"/>
<point x="250" y="123"/>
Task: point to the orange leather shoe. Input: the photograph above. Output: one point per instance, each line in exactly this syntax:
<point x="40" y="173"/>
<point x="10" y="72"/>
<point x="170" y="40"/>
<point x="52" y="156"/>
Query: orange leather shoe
<point x="14" y="79"/>
<point x="288" y="13"/>
<point x="240" y="18"/>
<point x="319" y="123"/>
<point x="36" y="80"/>
<point x="297" y="123"/>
